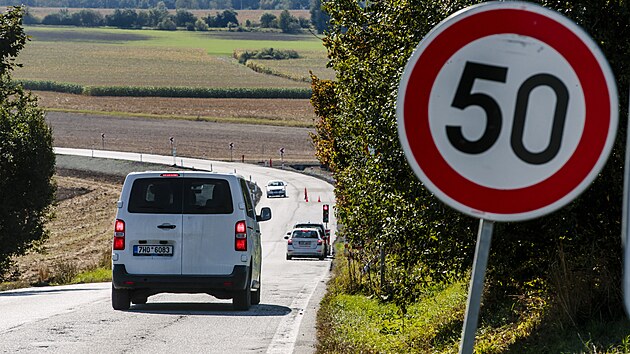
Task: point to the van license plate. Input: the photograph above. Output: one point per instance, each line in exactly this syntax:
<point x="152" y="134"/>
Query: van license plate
<point x="304" y="243"/>
<point x="152" y="250"/>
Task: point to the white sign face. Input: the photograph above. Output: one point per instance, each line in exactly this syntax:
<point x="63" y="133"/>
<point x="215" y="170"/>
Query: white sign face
<point x="507" y="111"/>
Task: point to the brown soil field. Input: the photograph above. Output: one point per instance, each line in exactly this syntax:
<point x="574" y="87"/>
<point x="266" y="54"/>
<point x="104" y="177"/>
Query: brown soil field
<point x="281" y="111"/>
<point x="200" y="139"/>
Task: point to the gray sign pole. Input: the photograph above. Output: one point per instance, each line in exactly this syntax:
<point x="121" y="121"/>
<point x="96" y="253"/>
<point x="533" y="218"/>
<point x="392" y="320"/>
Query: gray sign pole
<point x="484" y="239"/>
<point x="625" y="232"/>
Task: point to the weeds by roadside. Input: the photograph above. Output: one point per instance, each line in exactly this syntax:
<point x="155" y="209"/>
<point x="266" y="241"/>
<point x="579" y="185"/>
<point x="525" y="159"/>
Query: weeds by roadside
<point x="351" y="322"/>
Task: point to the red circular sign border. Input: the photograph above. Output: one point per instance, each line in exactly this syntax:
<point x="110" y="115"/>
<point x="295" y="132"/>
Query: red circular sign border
<point x="544" y="193"/>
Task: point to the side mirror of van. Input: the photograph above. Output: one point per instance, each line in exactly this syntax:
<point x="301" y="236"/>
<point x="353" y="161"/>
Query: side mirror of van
<point x="265" y="214"/>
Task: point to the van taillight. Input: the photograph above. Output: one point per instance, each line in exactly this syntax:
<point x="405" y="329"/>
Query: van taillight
<point x="240" y="236"/>
<point x="119" y="235"/>
<point x="289" y="242"/>
<point x="319" y="242"/>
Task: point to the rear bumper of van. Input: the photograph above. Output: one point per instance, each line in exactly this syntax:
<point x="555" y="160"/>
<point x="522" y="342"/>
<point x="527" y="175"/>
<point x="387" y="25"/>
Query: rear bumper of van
<point x="180" y="283"/>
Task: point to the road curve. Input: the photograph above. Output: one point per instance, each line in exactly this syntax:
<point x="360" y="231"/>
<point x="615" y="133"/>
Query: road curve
<point x="79" y="318"/>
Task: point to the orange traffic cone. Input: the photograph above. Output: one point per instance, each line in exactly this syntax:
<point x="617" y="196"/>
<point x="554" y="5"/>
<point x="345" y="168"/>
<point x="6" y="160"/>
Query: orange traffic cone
<point x="305" y="195"/>
<point x="319" y="200"/>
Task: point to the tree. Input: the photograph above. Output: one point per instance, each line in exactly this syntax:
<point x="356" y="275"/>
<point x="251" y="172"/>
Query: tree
<point x="167" y="25"/>
<point x="319" y="18"/>
<point x="288" y="23"/>
<point x="200" y="25"/>
<point x="126" y="18"/>
<point x="381" y="203"/>
<point x="268" y="20"/>
<point x="157" y="14"/>
<point x="27" y="160"/>
<point x="183" y="17"/>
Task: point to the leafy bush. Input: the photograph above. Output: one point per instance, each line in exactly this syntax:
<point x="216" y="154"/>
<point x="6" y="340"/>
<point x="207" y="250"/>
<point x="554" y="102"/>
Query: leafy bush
<point x="265" y="54"/>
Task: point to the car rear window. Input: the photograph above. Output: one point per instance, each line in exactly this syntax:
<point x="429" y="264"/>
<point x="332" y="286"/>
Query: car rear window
<point x="164" y="196"/>
<point x="304" y="234"/>
<point x="310" y="226"/>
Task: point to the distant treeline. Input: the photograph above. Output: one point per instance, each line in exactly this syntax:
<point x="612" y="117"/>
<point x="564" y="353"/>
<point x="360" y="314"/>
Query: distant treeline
<point x="152" y="91"/>
<point x="170" y="4"/>
<point x="161" y="18"/>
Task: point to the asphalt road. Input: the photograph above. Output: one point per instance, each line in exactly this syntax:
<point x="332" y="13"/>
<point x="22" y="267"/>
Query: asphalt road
<point x="80" y="318"/>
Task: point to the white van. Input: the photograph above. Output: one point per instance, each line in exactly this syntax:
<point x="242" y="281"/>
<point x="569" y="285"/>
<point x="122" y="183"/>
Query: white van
<point x="186" y="232"/>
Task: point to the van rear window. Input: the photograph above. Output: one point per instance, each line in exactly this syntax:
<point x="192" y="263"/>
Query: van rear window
<point x="181" y="195"/>
<point x="207" y="196"/>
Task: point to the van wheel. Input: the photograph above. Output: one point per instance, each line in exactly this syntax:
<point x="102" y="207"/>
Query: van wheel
<point x="243" y="298"/>
<point x="120" y="299"/>
<point x="321" y="258"/>
<point x="288" y="257"/>
<point x="256" y="295"/>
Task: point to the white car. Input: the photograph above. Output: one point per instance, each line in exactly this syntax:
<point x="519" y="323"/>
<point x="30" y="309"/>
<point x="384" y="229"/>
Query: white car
<point x="276" y="188"/>
<point x="305" y="242"/>
<point x="186" y="232"/>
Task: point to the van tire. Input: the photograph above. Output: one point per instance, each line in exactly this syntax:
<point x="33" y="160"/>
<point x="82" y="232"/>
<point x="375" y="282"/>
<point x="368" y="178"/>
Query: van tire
<point x="243" y="298"/>
<point x="120" y="299"/>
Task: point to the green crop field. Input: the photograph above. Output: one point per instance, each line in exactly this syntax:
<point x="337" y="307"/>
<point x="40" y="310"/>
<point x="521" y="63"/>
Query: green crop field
<point x="100" y="56"/>
<point x="300" y="67"/>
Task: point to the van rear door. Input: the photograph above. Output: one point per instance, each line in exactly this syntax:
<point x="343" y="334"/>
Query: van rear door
<point x="154" y="225"/>
<point x="209" y="226"/>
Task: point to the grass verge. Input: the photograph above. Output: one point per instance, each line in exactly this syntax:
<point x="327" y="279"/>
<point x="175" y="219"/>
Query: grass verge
<point x="356" y="323"/>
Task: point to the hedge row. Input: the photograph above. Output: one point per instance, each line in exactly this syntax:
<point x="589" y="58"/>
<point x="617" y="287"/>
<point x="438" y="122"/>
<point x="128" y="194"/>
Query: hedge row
<point x="263" y="69"/>
<point x="265" y="54"/>
<point x="51" y="86"/>
<point x="182" y="92"/>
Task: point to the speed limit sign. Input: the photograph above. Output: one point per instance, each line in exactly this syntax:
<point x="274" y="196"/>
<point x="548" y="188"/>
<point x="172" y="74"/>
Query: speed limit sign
<point x="507" y="111"/>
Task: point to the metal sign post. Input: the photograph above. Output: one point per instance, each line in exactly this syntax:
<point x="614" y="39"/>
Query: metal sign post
<point x="625" y="233"/>
<point x="480" y="263"/>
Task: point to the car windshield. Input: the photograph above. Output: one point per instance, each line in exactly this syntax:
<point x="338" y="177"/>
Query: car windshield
<point x="276" y="184"/>
<point x="304" y="234"/>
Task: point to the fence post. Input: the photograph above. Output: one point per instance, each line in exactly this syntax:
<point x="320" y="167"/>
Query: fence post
<point x="382" y="269"/>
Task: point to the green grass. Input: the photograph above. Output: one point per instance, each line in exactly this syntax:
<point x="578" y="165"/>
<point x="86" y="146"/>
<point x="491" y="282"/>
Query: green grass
<point x="298" y="69"/>
<point x="362" y="324"/>
<point x="98" y="275"/>
<point x="114" y="57"/>
<point x="214" y="43"/>
<point x="355" y="323"/>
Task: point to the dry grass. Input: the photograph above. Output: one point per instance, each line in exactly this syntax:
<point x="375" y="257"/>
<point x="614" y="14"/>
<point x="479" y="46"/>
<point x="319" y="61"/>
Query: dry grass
<point x="79" y="234"/>
<point x="282" y="111"/>
<point x="110" y="64"/>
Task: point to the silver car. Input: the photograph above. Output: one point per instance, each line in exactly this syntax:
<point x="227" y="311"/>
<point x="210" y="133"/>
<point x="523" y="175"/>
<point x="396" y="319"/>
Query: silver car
<point x="305" y="242"/>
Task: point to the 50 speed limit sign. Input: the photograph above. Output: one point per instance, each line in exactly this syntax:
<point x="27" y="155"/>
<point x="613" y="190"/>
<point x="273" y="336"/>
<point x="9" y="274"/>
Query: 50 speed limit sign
<point x="507" y="111"/>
